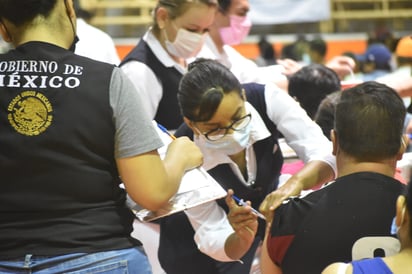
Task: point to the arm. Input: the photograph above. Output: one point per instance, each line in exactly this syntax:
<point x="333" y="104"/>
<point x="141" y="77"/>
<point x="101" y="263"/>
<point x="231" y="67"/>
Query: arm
<point x="314" y="171"/>
<point x="266" y="264"/>
<point x="306" y="139"/>
<point x="338" y="268"/>
<point x="215" y="236"/>
<point x="342" y="65"/>
<point x="245" y="224"/>
<point x="149" y="181"/>
<point x="403" y="86"/>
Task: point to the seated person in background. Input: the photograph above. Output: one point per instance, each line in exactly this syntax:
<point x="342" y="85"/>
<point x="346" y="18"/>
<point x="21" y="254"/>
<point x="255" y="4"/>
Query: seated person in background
<point x="325" y="114"/>
<point x="317" y="49"/>
<point x="311" y="84"/>
<point x="267" y="54"/>
<point x="400" y="263"/>
<point x="308" y="233"/>
<point x="237" y="129"/>
<point x="376" y="62"/>
<point x="325" y="118"/>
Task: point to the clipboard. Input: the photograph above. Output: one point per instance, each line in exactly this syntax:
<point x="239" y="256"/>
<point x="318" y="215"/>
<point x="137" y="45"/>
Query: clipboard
<point x="197" y="187"/>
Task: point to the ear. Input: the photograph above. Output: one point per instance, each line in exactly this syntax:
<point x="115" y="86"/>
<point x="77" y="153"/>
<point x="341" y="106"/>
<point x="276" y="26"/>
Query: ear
<point x="400" y="210"/>
<point x="334" y="140"/>
<point x="190" y="125"/>
<point x="403" y="147"/>
<point x="5" y="33"/>
<point x="162" y="15"/>
<point x="243" y="95"/>
<point x="70" y="9"/>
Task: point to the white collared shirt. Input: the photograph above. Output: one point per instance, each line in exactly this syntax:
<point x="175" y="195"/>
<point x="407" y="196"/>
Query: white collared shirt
<point x="145" y="80"/>
<point x="243" y="68"/>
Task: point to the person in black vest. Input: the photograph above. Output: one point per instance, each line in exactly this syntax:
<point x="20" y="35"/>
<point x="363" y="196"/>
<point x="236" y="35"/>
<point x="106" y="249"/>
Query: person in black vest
<point x="158" y="61"/>
<point x="237" y="128"/>
<point x="347" y="218"/>
<point x="71" y="127"/>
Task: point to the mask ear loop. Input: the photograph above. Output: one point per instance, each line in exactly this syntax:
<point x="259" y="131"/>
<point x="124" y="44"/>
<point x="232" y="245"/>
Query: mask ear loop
<point x="76" y="38"/>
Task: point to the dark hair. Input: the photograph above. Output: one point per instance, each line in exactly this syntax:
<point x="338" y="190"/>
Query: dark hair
<point x="20" y="12"/>
<point x="369" y="121"/>
<point x="311" y="84"/>
<point x="224" y="5"/>
<point x="325" y="115"/>
<point x="318" y="45"/>
<point x="81" y="12"/>
<point x="202" y="89"/>
<point x="266" y="49"/>
<point x="289" y="51"/>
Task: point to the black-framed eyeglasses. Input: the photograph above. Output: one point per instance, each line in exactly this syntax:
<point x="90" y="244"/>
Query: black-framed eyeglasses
<point x="236" y="125"/>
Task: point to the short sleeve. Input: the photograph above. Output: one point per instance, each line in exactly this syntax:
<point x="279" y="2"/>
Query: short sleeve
<point x="135" y="132"/>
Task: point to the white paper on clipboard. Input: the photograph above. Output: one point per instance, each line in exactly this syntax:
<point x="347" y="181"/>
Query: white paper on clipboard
<point x="197" y="187"/>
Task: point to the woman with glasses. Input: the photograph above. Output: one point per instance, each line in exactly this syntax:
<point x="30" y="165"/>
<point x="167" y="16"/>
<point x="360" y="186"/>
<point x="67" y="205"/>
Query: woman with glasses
<point x="237" y="129"/>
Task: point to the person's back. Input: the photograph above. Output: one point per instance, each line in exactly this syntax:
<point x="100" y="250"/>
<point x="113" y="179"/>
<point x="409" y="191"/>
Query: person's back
<point x="68" y="136"/>
<point x="311" y="84"/>
<point x="341" y="220"/>
<point x="399" y="263"/>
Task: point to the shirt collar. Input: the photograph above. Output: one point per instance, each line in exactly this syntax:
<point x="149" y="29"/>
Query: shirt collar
<point x="160" y="53"/>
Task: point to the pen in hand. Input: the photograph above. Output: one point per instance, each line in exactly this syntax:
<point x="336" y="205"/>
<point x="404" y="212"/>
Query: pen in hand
<point x="243" y="203"/>
<point x="162" y="128"/>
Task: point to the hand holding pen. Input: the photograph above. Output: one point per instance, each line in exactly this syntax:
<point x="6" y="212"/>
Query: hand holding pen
<point x="183" y="148"/>
<point x="242" y="218"/>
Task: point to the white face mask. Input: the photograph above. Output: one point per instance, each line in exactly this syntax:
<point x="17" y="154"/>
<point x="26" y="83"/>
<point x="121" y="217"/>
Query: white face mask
<point x="187" y="44"/>
<point x="229" y="144"/>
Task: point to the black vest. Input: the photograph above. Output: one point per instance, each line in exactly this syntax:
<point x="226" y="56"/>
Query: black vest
<point x="178" y="253"/>
<point x="168" y="112"/>
<point x="57" y="165"/>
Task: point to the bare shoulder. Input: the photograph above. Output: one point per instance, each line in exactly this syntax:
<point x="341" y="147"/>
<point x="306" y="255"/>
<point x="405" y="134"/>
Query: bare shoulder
<point x="338" y="268"/>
